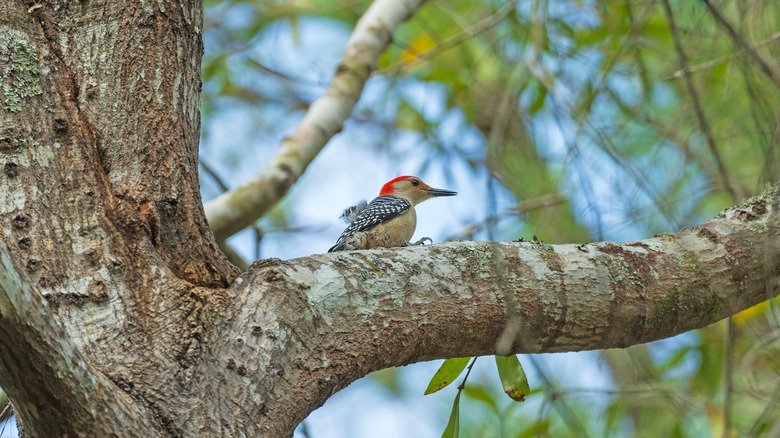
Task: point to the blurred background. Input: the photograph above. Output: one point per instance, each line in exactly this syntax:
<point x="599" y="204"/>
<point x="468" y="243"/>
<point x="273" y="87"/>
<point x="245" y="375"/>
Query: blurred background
<point x="570" y="120"/>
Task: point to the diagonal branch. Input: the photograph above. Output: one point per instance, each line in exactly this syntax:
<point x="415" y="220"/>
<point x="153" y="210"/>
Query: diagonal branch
<point x="321" y="322"/>
<point x="238" y="208"/>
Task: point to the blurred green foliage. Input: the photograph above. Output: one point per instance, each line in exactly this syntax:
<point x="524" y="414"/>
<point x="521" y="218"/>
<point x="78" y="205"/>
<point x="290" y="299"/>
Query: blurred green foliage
<point x="579" y="111"/>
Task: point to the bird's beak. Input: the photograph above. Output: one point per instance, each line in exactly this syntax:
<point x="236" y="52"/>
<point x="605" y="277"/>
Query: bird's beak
<point x="439" y="192"/>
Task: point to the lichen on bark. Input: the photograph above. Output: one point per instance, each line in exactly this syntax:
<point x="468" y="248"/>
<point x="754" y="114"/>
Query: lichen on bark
<point x="19" y="69"/>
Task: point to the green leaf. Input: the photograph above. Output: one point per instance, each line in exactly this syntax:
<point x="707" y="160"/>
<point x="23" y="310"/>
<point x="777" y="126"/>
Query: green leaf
<point x="512" y="377"/>
<point x="453" y="426"/>
<point x="538" y="102"/>
<point x="481" y="393"/>
<point x="447" y="373"/>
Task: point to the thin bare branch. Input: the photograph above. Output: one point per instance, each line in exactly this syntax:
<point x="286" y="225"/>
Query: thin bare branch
<point x="697" y="68"/>
<point x="483" y="25"/>
<point x="771" y="71"/>
<point x="233" y="256"/>
<point x="528" y="205"/>
<point x="697" y="107"/>
<point x="729" y="379"/>
<point x="228" y="250"/>
<point x="214" y="175"/>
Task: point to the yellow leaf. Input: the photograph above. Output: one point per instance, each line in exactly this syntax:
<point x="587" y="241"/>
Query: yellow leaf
<point x="418" y="46"/>
<point x="751" y="312"/>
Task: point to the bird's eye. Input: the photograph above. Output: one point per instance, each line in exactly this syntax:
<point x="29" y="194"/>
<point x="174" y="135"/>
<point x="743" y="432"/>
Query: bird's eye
<point x="415" y="182"/>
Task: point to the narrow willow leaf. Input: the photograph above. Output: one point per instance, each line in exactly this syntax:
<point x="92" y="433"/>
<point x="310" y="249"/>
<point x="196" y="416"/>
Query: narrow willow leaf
<point x="512" y="377"/>
<point x="453" y="427"/>
<point x="482" y="394"/>
<point x="447" y="373"/>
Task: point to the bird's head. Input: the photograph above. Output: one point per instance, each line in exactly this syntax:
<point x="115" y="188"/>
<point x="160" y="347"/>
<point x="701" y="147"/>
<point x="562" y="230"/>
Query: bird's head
<point x="412" y="189"/>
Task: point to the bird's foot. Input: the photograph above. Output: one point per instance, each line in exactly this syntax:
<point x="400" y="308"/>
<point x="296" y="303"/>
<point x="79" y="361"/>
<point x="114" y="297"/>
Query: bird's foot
<point x="422" y="241"/>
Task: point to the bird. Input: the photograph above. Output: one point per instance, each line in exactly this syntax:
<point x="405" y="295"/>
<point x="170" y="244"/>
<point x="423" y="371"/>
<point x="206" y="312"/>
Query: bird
<point x="389" y="220"/>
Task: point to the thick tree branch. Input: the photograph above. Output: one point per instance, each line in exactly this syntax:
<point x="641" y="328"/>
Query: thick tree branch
<point x="307" y="327"/>
<point x="238" y="208"/>
<point x="55" y="389"/>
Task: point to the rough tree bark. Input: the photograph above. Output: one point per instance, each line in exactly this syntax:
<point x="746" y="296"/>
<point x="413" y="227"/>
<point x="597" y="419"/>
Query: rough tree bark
<point x="119" y="316"/>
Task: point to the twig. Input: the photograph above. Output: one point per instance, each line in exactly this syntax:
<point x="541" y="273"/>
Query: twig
<point x="487" y="23"/>
<point x="635" y="38"/>
<point x="719" y="60"/>
<point x="527" y="205"/>
<point x="766" y="418"/>
<point x="559" y="403"/>
<point x="468" y="371"/>
<point x="229" y="252"/>
<point x="740" y="42"/>
<point x="214" y="175"/>
<point x="729" y="379"/>
<point x="698" y="110"/>
<point x="233" y="256"/>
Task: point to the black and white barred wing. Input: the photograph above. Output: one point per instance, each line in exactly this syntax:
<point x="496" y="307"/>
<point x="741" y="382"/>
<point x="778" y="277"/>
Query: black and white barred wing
<point x="379" y="210"/>
<point x="351" y="213"/>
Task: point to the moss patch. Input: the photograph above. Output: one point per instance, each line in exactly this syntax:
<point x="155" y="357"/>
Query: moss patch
<point x="667" y="310"/>
<point x="20" y="74"/>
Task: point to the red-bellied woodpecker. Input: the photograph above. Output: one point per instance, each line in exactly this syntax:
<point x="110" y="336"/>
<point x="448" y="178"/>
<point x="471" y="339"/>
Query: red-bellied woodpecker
<point x="389" y="220"/>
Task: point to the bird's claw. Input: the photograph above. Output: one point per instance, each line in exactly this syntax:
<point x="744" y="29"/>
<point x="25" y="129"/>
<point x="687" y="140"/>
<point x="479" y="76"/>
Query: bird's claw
<point x="422" y="241"/>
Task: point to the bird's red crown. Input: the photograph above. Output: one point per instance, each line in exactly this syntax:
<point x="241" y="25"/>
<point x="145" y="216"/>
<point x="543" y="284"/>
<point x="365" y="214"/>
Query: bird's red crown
<point x="389" y="188"/>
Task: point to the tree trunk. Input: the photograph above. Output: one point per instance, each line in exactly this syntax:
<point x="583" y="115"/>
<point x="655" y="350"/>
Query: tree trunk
<point x="100" y="203"/>
<point x="119" y="316"/>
